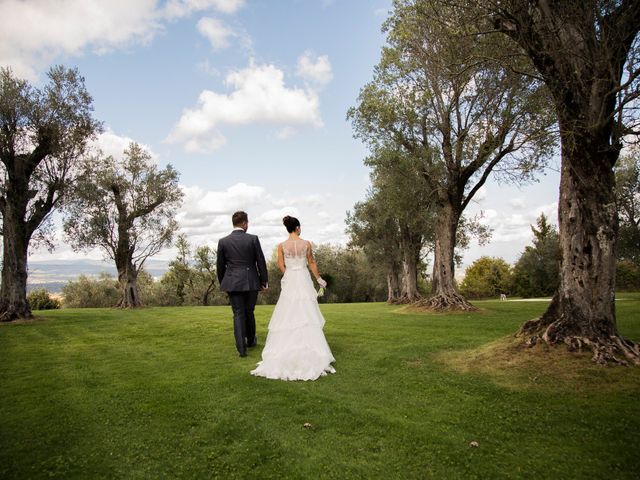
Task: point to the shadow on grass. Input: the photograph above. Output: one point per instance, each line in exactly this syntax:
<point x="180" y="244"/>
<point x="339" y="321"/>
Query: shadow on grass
<point x="508" y="363"/>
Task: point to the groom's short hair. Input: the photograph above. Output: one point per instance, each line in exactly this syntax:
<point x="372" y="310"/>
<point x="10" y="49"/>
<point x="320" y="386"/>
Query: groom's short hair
<point x="239" y="218"/>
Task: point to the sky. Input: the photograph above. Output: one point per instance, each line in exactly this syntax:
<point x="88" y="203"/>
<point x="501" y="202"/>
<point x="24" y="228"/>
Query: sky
<point x="247" y="99"/>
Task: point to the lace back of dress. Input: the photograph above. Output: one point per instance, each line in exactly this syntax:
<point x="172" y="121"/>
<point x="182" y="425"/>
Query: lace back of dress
<point x="295" y="248"/>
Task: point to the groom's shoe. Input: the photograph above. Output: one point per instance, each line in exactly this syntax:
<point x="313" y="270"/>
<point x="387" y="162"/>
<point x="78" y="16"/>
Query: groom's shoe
<point x="242" y="354"/>
<point x="253" y="343"/>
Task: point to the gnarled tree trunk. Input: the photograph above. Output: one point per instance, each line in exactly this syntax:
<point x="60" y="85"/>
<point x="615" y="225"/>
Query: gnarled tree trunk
<point x="582" y="312"/>
<point x="16" y="233"/>
<point x="127" y="271"/>
<point x="580" y="49"/>
<point x="444" y="296"/>
<point x="13" y="292"/>
<point x="128" y="278"/>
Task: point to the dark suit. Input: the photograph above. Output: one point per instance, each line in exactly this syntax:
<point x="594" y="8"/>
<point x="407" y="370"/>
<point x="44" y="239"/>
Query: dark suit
<point x="242" y="271"/>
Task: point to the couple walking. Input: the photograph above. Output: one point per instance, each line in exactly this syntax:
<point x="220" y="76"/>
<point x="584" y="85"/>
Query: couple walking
<point x="296" y="348"/>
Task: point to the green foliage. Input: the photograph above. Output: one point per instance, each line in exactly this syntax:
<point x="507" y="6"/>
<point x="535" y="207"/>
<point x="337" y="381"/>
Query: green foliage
<point x="270" y="297"/>
<point x="41" y="299"/>
<point x="44" y="132"/>
<point x="191" y="279"/>
<point x="537" y="271"/>
<point x="486" y="277"/>
<point x="627" y="173"/>
<point x="125" y="207"/>
<point x="627" y="276"/>
<point x="439" y="123"/>
<point x="350" y="276"/>
<point x="90" y="292"/>
<point x="158" y="393"/>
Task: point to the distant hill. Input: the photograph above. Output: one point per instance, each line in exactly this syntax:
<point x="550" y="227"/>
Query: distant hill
<point x="54" y="274"/>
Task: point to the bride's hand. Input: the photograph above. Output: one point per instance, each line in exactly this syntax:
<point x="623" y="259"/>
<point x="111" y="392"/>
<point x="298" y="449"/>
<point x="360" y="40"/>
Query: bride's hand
<point x="321" y="282"/>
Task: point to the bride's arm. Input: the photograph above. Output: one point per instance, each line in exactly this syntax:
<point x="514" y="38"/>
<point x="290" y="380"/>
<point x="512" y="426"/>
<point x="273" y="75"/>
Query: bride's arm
<point x="281" y="258"/>
<point x="313" y="266"/>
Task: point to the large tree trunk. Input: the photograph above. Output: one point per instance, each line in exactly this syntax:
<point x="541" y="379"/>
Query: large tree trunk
<point x="127" y="271"/>
<point x="13" y="292"/>
<point x="128" y="278"/>
<point x="444" y="296"/>
<point x="580" y="49"/>
<point x="409" y="288"/>
<point x="15" y="236"/>
<point x="393" y="285"/>
<point x="410" y="245"/>
<point x="582" y="313"/>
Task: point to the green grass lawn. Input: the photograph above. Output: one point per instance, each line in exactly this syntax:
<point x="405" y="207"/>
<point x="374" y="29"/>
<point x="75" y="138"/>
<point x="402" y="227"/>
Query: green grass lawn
<point x="161" y="393"/>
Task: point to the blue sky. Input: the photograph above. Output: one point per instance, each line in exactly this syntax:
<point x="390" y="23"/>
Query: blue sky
<point x="246" y="98"/>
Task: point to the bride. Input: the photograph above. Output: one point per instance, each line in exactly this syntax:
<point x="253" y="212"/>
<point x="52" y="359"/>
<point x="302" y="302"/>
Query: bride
<point x="296" y="348"/>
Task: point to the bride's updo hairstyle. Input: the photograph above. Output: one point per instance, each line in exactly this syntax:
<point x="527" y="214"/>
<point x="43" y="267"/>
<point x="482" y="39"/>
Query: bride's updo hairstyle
<point x="291" y="223"/>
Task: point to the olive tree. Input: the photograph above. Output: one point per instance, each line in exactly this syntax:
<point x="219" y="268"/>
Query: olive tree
<point x="587" y="52"/>
<point x="43" y="134"/>
<point x="459" y="114"/>
<point x="126" y="208"/>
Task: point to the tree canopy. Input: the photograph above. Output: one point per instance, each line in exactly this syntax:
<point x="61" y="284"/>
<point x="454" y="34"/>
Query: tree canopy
<point x="44" y="132"/>
<point x="126" y="208"/>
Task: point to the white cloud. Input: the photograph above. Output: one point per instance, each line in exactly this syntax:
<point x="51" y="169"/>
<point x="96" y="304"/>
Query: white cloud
<point x="550" y="210"/>
<point x="259" y="95"/>
<point x="216" y="32"/>
<point x="181" y="8"/>
<point x="285" y="133"/>
<point x="274" y="216"/>
<point x="33" y="33"/>
<point x="206" y="67"/>
<point x="237" y="197"/>
<point x="317" y="72"/>
<point x="517" y="203"/>
<point x="480" y="195"/>
<point x="205" y="215"/>
<point x="113" y="144"/>
<point x="515" y="227"/>
<point x="312" y="200"/>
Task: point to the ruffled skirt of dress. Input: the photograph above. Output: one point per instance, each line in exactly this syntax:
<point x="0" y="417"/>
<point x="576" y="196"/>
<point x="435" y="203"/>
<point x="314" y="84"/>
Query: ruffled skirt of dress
<point x="296" y="348"/>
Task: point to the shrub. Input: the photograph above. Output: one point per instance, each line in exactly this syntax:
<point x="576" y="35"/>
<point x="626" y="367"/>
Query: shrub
<point x="627" y="276"/>
<point x="41" y="299"/>
<point x="87" y="292"/>
<point x="486" y="277"/>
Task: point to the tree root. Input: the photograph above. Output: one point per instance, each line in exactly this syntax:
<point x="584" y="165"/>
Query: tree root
<point x="9" y="314"/>
<point x="445" y="302"/>
<point x="404" y="300"/>
<point x="607" y="349"/>
<point x="124" y="304"/>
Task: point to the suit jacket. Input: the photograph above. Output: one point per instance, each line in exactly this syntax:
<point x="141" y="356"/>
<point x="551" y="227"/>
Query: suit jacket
<point x="241" y="265"/>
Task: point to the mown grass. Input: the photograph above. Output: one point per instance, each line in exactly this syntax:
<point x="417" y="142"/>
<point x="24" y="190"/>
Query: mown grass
<point x="161" y="393"/>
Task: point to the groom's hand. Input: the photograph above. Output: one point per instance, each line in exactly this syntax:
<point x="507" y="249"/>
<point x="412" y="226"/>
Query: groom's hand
<point x="264" y="288"/>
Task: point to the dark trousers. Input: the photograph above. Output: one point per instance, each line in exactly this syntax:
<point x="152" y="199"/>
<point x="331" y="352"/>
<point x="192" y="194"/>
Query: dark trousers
<point x="244" y="321"/>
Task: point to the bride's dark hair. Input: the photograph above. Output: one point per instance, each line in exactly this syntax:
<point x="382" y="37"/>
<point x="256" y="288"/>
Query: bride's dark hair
<point x="291" y="223"/>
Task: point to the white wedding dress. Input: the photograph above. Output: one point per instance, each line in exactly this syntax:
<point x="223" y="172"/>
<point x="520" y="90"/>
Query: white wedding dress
<point x="296" y="348"/>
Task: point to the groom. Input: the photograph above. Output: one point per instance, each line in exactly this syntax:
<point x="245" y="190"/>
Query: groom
<point x="242" y="271"/>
